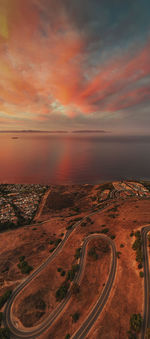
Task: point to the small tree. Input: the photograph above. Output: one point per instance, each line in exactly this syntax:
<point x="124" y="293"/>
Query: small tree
<point x="141" y="274"/>
<point x="136" y="322"/>
<point x="1" y="318"/>
<point x="67" y="336"/>
<point x="75" y="317"/>
<point x="75" y="289"/>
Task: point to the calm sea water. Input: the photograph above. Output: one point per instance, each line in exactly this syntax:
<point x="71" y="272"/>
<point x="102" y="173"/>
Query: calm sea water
<point x="66" y="159"/>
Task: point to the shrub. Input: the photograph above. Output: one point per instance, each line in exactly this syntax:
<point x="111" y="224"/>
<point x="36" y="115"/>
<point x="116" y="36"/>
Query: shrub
<point x="67" y="336"/>
<point x="71" y="273"/>
<point x="52" y="249"/>
<point x="59" y="269"/>
<point x="75" y="317"/>
<point x="113" y="236"/>
<point x="78" y="252"/>
<point x="105" y="230"/>
<point x="121" y="245"/>
<point x="136" y="322"/>
<point x="75" y="289"/>
<point x="69" y="227"/>
<point x="141" y="274"/>
<point x="24" y="267"/>
<point x="51" y="242"/>
<point x="5" y="297"/>
<point x="92" y="253"/>
<point x="1" y="318"/>
<point x="118" y="254"/>
<point x="132" y="234"/>
<point x="4" y="333"/>
<point x="63" y="273"/>
<point x="21" y="258"/>
<point x="113" y="216"/>
<point x="62" y="291"/>
<point x="57" y="241"/>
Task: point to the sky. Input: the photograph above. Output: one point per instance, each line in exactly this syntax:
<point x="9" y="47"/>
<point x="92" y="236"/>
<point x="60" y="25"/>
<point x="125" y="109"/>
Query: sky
<point x="75" y="64"/>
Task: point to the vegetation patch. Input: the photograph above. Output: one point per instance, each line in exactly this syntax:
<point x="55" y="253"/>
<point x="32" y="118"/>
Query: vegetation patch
<point x="105" y="230"/>
<point x="71" y="273"/>
<point x="5" y="297"/>
<point x="68" y="336"/>
<point x="92" y="253"/>
<point x="62" y="291"/>
<point x="75" y="317"/>
<point x="1" y="318"/>
<point x="75" y="289"/>
<point x="135" y="326"/>
<point x="34" y="302"/>
<point x="137" y="246"/>
<point x="4" y="333"/>
<point x="78" y="253"/>
<point x="24" y="266"/>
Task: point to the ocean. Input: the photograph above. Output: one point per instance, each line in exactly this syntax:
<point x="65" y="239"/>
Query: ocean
<point x="72" y="158"/>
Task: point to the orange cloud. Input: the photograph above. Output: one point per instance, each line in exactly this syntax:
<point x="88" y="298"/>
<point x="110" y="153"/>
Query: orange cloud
<point x="42" y="62"/>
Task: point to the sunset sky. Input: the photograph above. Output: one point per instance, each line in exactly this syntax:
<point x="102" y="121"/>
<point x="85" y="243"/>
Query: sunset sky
<point x="75" y="64"/>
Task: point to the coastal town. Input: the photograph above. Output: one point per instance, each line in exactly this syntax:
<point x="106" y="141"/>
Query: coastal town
<point x="19" y="203"/>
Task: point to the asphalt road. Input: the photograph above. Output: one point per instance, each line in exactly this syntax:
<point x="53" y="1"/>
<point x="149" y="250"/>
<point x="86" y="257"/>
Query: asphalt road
<point x="146" y="316"/>
<point x="38" y="330"/>
<point x="98" y="307"/>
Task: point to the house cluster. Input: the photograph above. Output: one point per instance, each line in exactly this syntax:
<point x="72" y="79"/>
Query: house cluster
<point x="7" y="213"/>
<point x="19" y="201"/>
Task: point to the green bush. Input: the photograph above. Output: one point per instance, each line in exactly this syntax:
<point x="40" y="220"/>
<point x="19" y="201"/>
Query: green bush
<point x="132" y="234"/>
<point x="21" y="258"/>
<point x="69" y="227"/>
<point x="113" y="236"/>
<point x="62" y="291"/>
<point x="51" y="242"/>
<point x="136" y="322"/>
<point x="113" y="216"/>
<point x="141" y="274"/>
<point x="24" y="267"/>
<point x="4" y="333"/>
<point x="63" y="273"/>
<point x="59" y="269"/>
<point x="105" y="230"/>
<point x="1" y="318"/>
<point x="52" y="249"/>
<point x="121" y="245"/>
<point x="75" y="289"/>
<point x="5" y="297"/>
<point x="92" y="253"/>
<point x="71" y="273"/>
<point x="78" y="252"/>
<point x="75" y="317"/>
<point x="118" y="254"/>
<point x="57" y="241"/>
<point x="67" y="336"/>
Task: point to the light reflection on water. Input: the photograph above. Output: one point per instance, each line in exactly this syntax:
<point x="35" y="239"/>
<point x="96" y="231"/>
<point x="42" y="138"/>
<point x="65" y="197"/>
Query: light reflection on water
<point x="65" y="159"/>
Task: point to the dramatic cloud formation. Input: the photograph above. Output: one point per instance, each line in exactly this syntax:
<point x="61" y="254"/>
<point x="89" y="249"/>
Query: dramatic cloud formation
<point x="74" y="64"/>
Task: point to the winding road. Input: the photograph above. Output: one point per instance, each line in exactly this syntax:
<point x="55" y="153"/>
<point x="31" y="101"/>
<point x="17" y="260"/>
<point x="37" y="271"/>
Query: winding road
<point x="39" y="329"/>
<point x="146" y="315"/>
<point x="81" y="333"/>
